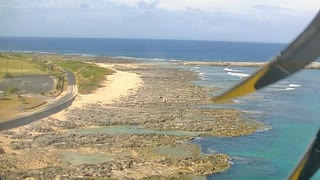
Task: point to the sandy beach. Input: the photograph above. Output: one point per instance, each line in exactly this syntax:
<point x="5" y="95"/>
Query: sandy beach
<point x="139" y="123"/>
<point x="117" y="85"/>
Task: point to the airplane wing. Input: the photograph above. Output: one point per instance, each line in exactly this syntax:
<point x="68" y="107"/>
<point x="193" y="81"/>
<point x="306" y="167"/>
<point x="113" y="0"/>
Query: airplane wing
<point x="310" y="162"/>
<point x="302" y="51"/>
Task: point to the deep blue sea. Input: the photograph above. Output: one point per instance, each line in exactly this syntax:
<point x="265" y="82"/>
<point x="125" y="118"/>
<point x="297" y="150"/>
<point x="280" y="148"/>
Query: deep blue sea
<point x="144" y="48"/>
<point x="290" y="107"/>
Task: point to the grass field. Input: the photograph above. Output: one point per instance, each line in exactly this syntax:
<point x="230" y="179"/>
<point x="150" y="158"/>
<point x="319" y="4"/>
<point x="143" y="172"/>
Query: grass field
<point x="89" y="76"/>
<point x="17" y="65"/>
<point x="12" y="105"/>
<point x="20" y="64"/>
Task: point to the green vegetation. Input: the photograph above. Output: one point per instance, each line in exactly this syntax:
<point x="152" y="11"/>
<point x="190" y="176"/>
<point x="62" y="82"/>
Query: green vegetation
<point x="7" y="75"/>
<point x="60" y="81"/>
<point x="89" y="76"/>
<point x="12" y="89"/>
<point x="12" y="64"/>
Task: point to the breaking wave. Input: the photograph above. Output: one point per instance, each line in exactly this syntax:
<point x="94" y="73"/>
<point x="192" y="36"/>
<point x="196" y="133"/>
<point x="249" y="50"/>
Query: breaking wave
<point x="289" y="89"/>
<point x="231" y="70"/>
<point x="241" y="75"/>
<point x="294" y="85"/>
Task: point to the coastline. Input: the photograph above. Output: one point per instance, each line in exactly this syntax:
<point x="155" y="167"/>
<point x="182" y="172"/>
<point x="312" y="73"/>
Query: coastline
<point x="312" y="65"/>
<point x="153" y="96"/>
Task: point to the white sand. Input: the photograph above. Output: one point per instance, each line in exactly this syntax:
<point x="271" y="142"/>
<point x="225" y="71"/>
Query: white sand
<point x="117" y="85"/>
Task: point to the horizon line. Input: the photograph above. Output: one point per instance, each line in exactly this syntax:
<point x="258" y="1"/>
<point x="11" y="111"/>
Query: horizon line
<point x="130" y="38"/>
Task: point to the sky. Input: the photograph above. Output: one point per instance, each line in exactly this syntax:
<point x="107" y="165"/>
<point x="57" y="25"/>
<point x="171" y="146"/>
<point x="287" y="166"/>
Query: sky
<point x="220" y="20"/>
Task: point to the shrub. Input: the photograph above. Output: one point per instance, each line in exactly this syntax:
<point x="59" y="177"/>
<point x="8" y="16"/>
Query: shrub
<point x="12" y="89"/>
<point x="7" y="75"/>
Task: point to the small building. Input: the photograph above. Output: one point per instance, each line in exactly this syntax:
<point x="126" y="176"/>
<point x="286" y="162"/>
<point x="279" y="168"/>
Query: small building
<point x="1" y="95"/>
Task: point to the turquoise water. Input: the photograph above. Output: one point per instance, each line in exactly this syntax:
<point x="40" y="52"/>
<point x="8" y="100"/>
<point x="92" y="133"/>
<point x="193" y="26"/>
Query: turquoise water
<point x="291" y="107"/>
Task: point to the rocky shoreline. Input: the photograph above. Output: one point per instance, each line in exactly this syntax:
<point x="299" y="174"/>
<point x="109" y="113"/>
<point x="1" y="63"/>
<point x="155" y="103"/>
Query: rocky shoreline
<point x="312" y="65"/>
<point x="141" y="139"/>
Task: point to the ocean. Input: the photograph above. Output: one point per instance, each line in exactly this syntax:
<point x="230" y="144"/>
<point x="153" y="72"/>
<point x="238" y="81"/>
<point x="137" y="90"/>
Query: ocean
<point x="290" y="107"/>
<point x="145" y="48"/>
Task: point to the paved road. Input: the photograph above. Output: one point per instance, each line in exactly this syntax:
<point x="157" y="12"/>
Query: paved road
<point x="71" y="92"/>
<point x="51" y="108"/>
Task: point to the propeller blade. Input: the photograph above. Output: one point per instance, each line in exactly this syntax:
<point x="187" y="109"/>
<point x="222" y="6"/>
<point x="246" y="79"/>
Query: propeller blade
<point x="302" y="51"/>
<point x="310" y="162"/>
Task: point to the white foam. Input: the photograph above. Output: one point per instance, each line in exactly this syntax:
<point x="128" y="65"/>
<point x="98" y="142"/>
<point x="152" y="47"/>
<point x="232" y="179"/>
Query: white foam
<point x="231" y="70"/>
<point x="158" y="59"/>
<point x="198" y="138"/>
<point x="254" y="112"/>
<point x="236" y="101"/>
<point x="289" y="89"/>
<point x="211" y="151"/>
<point x="230" y="162"/>
<point x="294" y="85"/>
<point x="202" y="75"/>
<point x="175" y="60"/>
<point x="31" y="52"/>
<point x="266" y="128"/>
<point x="241" y="75"/>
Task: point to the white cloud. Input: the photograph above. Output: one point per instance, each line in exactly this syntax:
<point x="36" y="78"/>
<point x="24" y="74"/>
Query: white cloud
<point x="246" y="20"/>
<point x="229" y="5"/>
<point x="147" y="4"/>
<point x="205" y="5"/>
